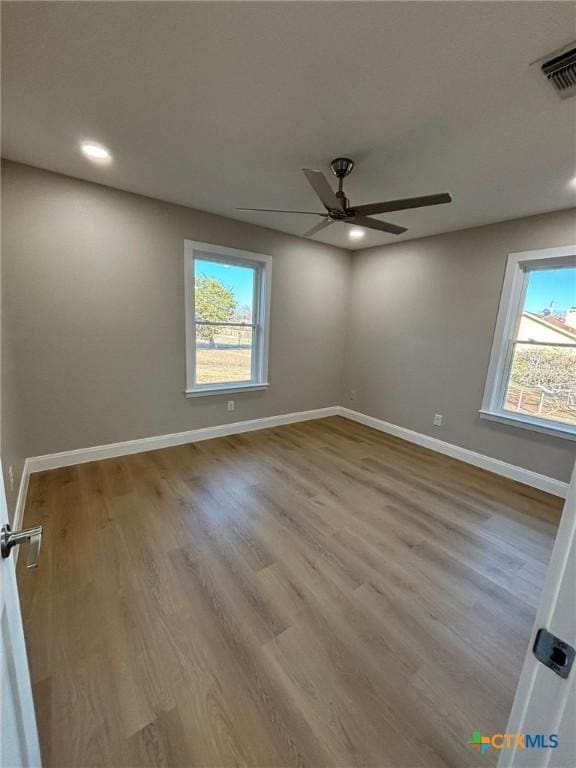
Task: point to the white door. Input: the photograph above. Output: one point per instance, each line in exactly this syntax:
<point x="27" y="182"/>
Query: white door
<point x="19" y="746"/>
<point x="545" y="703"/>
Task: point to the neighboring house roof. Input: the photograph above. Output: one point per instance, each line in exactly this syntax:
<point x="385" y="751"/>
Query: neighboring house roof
<point x="554" y="323"/>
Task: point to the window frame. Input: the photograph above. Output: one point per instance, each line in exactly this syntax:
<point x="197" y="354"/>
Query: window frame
<point x="518" y="267"/>
<point x="262" y="265"/>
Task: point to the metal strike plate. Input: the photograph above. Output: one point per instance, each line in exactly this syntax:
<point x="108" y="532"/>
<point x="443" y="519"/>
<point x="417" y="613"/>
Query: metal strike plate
<point x="554" y="653"/>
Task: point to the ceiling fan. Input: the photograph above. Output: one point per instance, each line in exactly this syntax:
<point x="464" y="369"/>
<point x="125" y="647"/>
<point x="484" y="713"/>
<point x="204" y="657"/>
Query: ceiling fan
<point x="338" y="206"/>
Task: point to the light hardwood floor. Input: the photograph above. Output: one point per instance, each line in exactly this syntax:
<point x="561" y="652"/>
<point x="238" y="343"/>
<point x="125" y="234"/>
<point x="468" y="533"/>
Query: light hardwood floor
<point x="315" y="595"/>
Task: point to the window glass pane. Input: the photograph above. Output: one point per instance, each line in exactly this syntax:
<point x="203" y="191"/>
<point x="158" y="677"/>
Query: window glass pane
<point x="549" y="311"/>
<point x="223" y="291"/>
<point x="223" y="354"/>
<point x="542" y="382"/>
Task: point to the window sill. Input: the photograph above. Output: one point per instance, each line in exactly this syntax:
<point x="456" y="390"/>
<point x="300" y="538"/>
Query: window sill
<point x="535" y="425"/>
<point x="222" y="389"/>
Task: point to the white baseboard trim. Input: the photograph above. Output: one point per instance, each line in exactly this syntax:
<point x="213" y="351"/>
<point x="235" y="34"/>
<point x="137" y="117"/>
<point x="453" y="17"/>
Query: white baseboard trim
<point x="21" y="500"/>
<point x="526" y="476"/>
<point x="110" y="451"/>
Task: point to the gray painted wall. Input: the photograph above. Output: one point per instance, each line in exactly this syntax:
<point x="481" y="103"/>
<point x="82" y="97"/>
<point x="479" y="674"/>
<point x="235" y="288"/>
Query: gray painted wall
<point x="94" y="303"/>
<point x="422" y="317"/>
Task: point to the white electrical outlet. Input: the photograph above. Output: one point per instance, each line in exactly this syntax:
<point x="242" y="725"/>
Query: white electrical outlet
<point x="352" y="394"/>
<point x="437" y="419"/>
<point x="11" y="477"/>
<point x="230" y="405"/>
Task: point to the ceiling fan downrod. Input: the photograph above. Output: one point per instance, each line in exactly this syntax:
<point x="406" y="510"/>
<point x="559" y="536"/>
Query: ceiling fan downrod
<point x="341" y="167"/>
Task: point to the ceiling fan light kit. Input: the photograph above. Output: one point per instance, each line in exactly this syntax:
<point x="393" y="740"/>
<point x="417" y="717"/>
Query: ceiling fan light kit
<point x="338" y="208"/>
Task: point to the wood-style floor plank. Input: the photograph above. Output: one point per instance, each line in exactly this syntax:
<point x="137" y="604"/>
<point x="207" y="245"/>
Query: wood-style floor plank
<point x="317" y="595"/>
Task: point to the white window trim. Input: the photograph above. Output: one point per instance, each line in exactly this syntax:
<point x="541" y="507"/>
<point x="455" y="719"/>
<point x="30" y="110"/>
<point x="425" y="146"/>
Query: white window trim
<point x="511" y="301"/>
<point x="259" y="379"/>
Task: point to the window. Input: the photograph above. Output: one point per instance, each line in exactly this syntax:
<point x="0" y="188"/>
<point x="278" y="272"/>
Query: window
<point x="532" y="373"/>
<point x="227" y="318"/>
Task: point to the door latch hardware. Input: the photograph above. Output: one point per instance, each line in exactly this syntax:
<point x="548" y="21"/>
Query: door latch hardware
<point x="10" y="539"/>
<point x="554" y="653"/>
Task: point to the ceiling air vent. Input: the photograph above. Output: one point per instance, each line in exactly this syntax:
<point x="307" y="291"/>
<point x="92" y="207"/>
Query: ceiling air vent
<point x="561" y="72"/>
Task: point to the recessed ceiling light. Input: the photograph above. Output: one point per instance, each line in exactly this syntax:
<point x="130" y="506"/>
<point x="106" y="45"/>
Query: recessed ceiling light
<point x="572" y="183"/>
<point x="96" y="152"/>
<point x="356" y="234"/>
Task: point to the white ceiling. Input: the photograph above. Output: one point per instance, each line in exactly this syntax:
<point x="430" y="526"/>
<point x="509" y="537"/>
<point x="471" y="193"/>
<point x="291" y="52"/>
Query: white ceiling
<point x="217" y="105"/>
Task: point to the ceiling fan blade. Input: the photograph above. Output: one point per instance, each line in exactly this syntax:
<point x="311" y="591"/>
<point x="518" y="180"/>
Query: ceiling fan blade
<point x="381" y="226"/>
<point x="402" y="205"/>
<point x="320" y="185"/>
<point x="317" y="227"/>
<point x="281" y="210"/>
